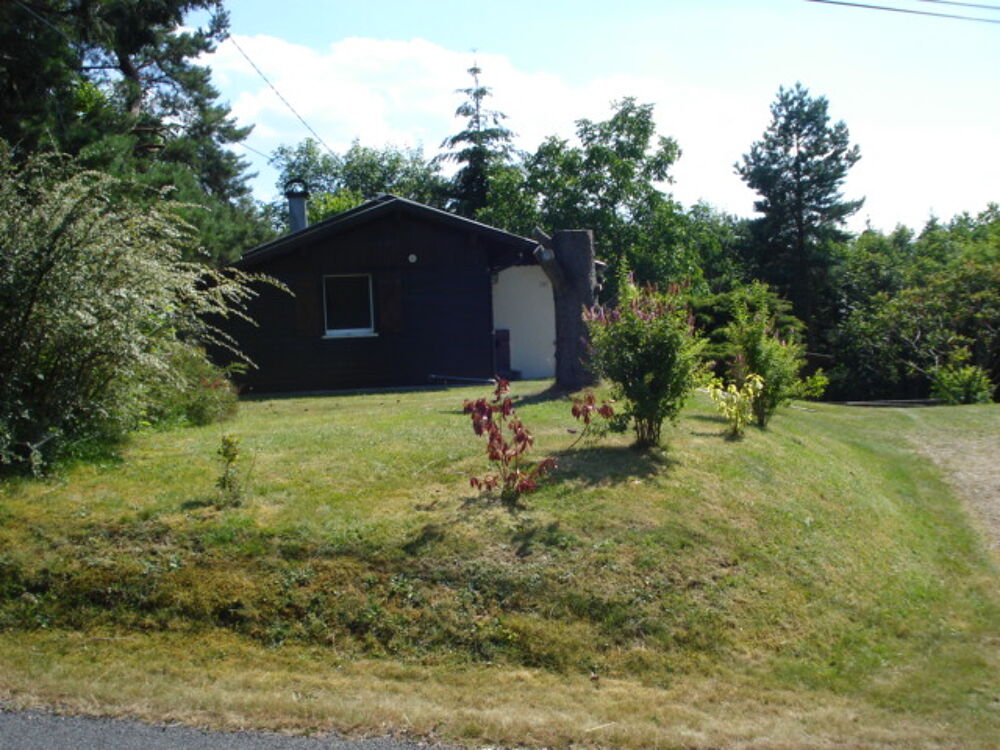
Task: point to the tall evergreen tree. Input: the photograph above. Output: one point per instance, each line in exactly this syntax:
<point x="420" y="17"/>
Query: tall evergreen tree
<point x="116" y="82"/>
<point x="798" y="168"/>
<point x="130" y="65"/>
<point x="483" y="144"/>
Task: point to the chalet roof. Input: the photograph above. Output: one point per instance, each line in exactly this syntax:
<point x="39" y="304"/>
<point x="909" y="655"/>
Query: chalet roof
<point x="377" y="207"/>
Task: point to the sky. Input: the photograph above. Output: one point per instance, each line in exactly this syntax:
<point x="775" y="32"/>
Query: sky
<point x="920" y="95"/>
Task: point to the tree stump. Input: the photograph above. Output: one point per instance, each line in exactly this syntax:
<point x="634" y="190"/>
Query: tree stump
<point x="568" y="260"/>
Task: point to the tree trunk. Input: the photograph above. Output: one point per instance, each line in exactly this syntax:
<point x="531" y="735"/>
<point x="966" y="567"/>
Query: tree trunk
<point x="133" y="82"/>
<point x="568" y="260"/>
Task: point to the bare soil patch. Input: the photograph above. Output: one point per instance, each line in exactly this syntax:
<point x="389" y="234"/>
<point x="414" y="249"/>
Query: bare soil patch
<point x="971" y="464"/>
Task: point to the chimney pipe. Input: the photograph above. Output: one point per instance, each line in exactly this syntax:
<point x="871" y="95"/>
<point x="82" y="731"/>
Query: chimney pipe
<point x="297" y="193"/>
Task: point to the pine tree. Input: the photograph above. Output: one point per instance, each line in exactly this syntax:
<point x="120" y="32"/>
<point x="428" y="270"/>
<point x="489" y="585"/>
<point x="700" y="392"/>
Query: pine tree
<point x="116" y="83"/>
<point x="798" y="168"/>
<point x="482" y="145"/>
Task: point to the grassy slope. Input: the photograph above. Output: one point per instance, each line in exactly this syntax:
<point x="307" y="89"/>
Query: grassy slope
<point x="814" y="584"/>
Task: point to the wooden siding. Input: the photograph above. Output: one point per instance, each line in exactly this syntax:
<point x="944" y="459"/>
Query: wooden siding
<point x="433" y="316"/>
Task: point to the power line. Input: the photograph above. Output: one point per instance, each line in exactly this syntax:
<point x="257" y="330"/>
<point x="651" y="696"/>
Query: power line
<point x="44" y="20"/>
<point x="251" y="148"/>
<point x="964" y="5"/>
<point x="283" y="99"/>
<point x="905" y="10"/>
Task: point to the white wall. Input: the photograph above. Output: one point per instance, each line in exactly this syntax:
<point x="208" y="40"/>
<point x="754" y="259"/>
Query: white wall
<point x="522" y="303"/>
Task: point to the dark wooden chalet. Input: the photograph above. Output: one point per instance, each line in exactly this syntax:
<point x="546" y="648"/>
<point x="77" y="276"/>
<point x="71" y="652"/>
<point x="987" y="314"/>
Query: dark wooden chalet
<point x="389" y="293"/>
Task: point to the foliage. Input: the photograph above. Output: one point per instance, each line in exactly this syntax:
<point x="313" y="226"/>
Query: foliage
<point x="231" y="484"/>
<point x="118" y="83"/>
<point x="798" y="168"/>
<point x="510" y="203"/>
<point x="758" y="350"/>
<point x="507" y="440"/>
<point x="481" y="145"/>
<point x="714" y="312"/>
<point x="95" y="303"/>
<point x="200" y="392"/>
<point x="323" y="205"/>
<point x="646" y="347"/>
<point x="224" y="227"/>
<point x="338" y="182"/>
<point x="717" y="242"/>
<point x="890" y="345"/>
<point x="960" y="383"/>
<point x="609" y="183"/>
<point x="874" y="263"/>
<point x="736" y="404"/>
<point x="585" y="409"/>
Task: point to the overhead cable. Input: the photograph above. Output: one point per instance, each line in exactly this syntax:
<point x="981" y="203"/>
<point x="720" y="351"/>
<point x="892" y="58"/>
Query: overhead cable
<point x="283" y="99"/>
<point x="905" y="10"/>
<point x="251" y="148"/>
<point x="964" y="5"/>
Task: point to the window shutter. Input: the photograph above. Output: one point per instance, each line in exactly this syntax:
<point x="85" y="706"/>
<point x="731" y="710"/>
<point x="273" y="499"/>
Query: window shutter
<point x="389" y="302"/>
<point x="309" y="306"/>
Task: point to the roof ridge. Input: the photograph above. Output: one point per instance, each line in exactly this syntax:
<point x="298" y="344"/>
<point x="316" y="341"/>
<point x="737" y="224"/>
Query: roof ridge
<point x="372" y="204"/>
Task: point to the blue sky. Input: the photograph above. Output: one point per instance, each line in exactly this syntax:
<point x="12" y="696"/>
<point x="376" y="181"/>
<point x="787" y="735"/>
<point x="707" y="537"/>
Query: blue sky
<point x="920" y="95"/>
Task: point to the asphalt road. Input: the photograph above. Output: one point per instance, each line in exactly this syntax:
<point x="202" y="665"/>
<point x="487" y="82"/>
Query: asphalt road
<point x="36" y="730"/>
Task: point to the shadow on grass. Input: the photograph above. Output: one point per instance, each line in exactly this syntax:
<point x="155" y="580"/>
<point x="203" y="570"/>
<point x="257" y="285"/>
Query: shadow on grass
<point x="598" y="465"/>
<point x="552" y="393"/>
<point x="531" y="536"/>
<point x="375" y="391"/>
<point x="715" y="419"/>
<point x="105" y="455"/>
<point x="428" y="535"/>
<point x="198" y="502"/>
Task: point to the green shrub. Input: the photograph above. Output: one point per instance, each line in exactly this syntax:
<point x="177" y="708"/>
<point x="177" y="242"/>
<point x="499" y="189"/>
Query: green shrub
<point x="959" y="383"/>
<point x="714" y="312"/>
<point x="96" y="304"/>
<point x="757" y="350"/>
<point x="736" y="403"/>
<point x="232" y="480"/>
<point x="646" y="346"/>
<point x="197" y="393"/>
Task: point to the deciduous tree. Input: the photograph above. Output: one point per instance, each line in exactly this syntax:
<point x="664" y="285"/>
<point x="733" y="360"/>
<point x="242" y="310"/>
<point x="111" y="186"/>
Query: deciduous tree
<point x="340" y="181"/>
<point x="610" y="183"/>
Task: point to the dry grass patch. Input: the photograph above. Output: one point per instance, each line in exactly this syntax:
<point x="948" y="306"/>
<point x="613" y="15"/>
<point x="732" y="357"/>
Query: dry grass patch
<point x="218" y="681"/>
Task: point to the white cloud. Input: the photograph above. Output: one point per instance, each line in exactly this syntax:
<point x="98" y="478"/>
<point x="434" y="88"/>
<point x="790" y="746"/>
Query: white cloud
<point x="403" y="92"/>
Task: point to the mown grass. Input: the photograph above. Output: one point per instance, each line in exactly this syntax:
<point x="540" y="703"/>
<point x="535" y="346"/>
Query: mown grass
<point x="813" y="584"/>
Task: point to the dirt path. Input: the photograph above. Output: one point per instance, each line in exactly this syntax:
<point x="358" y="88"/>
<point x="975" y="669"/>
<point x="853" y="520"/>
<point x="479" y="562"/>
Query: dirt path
<point x="972" y="466"/>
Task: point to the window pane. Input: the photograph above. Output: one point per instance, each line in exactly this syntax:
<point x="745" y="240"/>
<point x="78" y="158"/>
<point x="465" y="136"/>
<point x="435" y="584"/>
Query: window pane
<point x="348" y="302"/>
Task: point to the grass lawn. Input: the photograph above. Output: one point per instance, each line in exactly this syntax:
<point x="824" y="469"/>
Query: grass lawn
<point x="814" y="585"/>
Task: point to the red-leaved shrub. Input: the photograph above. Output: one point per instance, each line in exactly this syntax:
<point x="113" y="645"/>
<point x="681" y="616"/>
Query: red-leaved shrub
<point x="507" y="442"/>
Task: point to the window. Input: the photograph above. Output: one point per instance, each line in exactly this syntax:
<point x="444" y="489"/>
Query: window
<point x="347" y="303"/>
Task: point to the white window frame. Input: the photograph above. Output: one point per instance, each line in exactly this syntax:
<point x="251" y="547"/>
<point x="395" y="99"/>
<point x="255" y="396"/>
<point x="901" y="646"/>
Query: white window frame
<point x="340" y="333"/>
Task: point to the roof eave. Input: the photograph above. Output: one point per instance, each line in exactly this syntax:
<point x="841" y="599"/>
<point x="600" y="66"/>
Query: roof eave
<point x="367" y="211"/>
